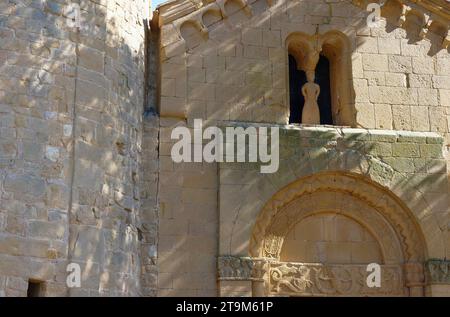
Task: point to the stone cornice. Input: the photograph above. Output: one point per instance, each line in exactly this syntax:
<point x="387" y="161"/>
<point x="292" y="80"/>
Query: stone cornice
<point x="175" y="9"/>
<point x="435" y="14"/>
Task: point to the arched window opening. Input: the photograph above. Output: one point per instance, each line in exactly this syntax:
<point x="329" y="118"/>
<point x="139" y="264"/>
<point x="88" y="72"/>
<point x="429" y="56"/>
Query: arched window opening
<point x="297" y="79"/>
<point x="320" y="79"/>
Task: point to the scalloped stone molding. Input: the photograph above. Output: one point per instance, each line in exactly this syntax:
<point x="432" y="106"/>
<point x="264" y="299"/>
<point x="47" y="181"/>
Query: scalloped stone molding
<point x="434" y="14"/>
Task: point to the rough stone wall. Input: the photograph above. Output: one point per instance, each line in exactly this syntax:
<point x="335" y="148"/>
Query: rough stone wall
<point x="71" y="105"/>
<point x="149" y="212"/>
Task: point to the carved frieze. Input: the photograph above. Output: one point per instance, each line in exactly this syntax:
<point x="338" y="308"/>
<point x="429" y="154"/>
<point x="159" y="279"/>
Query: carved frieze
<point x="296" y="279"/>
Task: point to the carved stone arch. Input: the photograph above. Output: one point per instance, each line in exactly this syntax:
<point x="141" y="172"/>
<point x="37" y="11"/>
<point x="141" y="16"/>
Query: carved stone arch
<point x="230" y="7"/>
<point x="334" y="45"/>
<point x="193" y="32"/>
<point x="390" y="221"/>
<point x="385" y="202"/>
<point x="342" y="204"/>
<point x="212" y="16"/>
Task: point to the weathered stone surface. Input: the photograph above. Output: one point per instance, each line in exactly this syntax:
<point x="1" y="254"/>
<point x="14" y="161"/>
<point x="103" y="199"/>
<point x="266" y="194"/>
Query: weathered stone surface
<point x="86" y="172"/>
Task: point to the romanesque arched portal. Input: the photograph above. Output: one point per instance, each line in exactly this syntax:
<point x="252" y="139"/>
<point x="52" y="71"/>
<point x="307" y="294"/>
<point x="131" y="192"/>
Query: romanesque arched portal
<point x="317" y="236"/>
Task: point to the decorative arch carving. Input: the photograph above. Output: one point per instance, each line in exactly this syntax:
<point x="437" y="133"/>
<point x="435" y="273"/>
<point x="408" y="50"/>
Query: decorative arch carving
<point x="312" y="204"/>
<point x="384" y="202"/>
<point x="212" y="16"/>
<point x="336" y="47"/>
<point x="193" y="32"/>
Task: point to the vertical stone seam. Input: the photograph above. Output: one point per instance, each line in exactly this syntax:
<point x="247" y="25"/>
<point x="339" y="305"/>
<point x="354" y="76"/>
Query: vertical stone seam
<point x="158" y="211"/>
<point x="72" y="167"/>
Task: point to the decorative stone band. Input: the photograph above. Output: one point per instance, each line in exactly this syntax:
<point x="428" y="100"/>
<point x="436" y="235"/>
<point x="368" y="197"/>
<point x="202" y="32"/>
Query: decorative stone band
<point x="313" y="279"/>
<point x="433" y="14"/>
<point x="438" y="271"/>
<point x="242" y="268"/>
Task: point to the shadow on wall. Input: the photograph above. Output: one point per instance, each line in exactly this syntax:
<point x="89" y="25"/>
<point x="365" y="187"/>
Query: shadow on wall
<point x="420" y="183"/>
<point x="413" y="23"/>
<point x="80" y="94"/>
<point x="202" y="35"/>
<point x="256" y="96"/>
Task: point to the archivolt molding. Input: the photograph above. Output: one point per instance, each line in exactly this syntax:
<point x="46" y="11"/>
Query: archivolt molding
<point x="343" y="204"/>
<point x="398" y="215"/>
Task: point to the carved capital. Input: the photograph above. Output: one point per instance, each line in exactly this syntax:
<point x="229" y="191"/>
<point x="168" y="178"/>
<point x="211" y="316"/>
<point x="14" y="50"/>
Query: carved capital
<point x="438" y="271"/>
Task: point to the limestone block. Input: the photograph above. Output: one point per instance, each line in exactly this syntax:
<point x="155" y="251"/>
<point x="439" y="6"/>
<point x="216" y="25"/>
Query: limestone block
<point x="46" y="229"/>
<point x="443" y="66"/>
<point x="428" y="97"/>
<point x="423" y="65"/>
<point x="419" y="81"/>
<point x="400" y="64"/>
<point x="375" y="62"/>
<point x="412" y="49"/>
<point x="91" y="59"/>
<point x="431" y="151"/>
<point x="402" y="165"/>
<point x="396" y="79"/>
<point x="24" y="247"/>
<point x="271" y="38"/>
<point x="361" y="90"/>
<point x="256" y="52"/>
<point x="389" y="46"/>
<point x="402" y="117"/>
<point x="173" y="107"/>
<point x="376" y="78"/>
<point x="366" y="115"/>
<point x="252" y="36"/>
<point x="383" y="116"/>
<point x="392" y="95"/>
<point x="26" y="184"/>
<point x="444" y="97"/>
<point x="442" y="82"/>
<point x="196" y="75"/>
<point x="406" y="150"/>
<point x="438" y="119"/>
<point x="357" y="68"/>
<point x="382" y="149"/>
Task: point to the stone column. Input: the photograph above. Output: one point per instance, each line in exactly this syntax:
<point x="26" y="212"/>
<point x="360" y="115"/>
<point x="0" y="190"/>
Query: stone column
<point x="415" y="279"/>
<point x="260" y="277"/>
<point x="242" y="276"/>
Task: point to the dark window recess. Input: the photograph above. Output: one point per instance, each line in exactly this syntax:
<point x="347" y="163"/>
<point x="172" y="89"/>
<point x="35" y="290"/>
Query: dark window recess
<point x="297" y="78"/>
<point x="34" y="289"/>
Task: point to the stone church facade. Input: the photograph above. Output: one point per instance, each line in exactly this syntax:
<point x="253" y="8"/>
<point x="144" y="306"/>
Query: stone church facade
<point x="87" y="110"/>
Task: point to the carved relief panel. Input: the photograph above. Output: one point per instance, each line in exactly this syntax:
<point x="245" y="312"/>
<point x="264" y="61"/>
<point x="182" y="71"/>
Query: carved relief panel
<point x="296" y="279"/>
